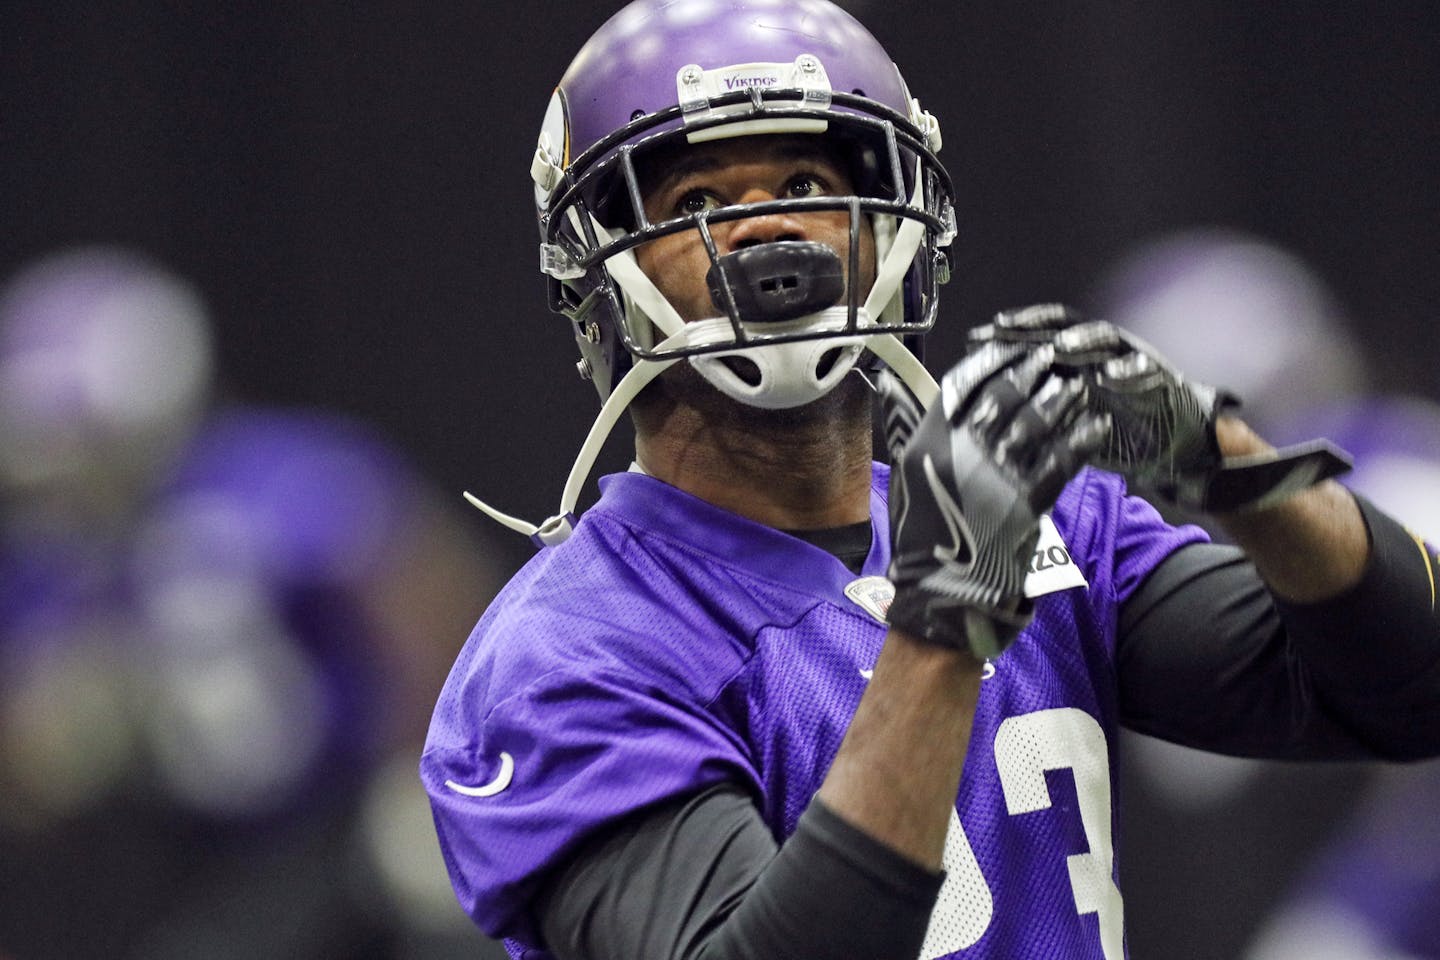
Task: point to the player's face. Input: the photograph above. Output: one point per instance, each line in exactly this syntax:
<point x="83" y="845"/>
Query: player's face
<point x="744" y="170"/>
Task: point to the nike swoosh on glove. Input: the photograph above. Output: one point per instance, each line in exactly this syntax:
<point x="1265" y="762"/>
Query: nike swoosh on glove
<point x="969" y="479"/>
<point x="1163" y="424"/>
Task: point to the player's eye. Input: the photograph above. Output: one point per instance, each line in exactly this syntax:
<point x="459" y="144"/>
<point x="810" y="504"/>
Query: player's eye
<point x="695" y="201"/>
<point x="806" y="185"/>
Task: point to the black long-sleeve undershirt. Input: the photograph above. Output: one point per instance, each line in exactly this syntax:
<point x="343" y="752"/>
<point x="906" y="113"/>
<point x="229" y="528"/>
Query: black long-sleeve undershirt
<point x="1208" y="658"/>
<point x="1205" y="657"/>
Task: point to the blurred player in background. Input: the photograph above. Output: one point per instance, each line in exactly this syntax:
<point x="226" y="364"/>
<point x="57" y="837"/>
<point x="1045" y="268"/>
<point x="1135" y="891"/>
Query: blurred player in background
<point x="219" y="626"/>
<point x="1373" y="893"/>
<point x="1195" y="817"/>
<point x="769" y="697"/>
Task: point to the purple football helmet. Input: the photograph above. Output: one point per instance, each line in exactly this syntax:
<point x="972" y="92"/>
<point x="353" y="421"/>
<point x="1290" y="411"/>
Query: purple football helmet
<point x="666" y="72"/>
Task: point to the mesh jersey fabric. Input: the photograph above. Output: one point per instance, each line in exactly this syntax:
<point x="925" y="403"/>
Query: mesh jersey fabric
<point x="669" y="644"/>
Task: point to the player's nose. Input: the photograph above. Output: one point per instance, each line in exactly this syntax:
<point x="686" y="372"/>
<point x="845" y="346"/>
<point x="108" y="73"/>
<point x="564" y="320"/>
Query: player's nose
<point x="764" y="229"/>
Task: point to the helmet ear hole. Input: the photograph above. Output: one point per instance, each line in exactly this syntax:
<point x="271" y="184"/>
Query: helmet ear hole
<point x="828" y="359"/>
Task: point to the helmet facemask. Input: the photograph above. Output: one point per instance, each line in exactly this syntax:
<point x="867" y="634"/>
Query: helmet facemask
<point x="764" y="355"/>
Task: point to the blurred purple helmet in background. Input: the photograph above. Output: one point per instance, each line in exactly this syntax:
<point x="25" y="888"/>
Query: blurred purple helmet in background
<point x="1240" y="312"/>
<point x="105" y="362"/>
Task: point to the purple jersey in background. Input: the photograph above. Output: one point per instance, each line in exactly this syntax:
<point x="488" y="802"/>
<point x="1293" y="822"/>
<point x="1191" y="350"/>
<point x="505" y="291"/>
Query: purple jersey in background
<point x="232" y="607"/>
<point x="669" y="645"/>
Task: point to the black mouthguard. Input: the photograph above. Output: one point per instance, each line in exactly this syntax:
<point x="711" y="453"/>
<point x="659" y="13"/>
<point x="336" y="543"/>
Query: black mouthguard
<point x="773" y="282"/>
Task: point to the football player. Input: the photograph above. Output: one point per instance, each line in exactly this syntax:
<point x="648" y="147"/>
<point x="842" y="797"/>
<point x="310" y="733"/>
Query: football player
<point x="210" y="634"/>
<point x="769" y="697"/>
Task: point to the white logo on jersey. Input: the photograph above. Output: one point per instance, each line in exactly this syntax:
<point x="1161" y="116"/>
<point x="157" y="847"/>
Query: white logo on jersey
<point x="501" y="781"/>
<point x="1051" y="567"/>
<point x="872" y="594"/>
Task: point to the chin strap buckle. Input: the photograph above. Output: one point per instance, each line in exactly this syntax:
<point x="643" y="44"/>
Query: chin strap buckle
<point x="553" y="531"/>
<point x="555" y="261"/>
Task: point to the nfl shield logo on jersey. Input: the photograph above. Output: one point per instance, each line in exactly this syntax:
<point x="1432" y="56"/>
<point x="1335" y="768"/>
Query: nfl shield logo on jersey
<point x="872" y="594"/>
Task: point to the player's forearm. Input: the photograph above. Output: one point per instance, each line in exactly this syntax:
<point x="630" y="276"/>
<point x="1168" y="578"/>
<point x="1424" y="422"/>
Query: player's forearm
<point x="1308" y="548"/>
<point x="897" y="772"/>
<point x="1350" y="581"/>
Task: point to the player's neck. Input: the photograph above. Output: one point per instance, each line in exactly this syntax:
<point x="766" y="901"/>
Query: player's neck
<point x="797" y="470"/>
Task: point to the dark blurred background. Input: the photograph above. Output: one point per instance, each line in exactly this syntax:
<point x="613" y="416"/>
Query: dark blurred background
<point x="349" y="187"/>
<point x="346" y="187"/>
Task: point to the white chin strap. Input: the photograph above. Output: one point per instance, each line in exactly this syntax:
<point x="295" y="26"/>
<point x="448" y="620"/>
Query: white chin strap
<point x="557" y="529"/>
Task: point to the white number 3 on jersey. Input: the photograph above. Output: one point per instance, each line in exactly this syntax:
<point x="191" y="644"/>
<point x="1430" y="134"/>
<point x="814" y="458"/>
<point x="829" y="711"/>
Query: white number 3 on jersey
<point x="1025" y="747"/>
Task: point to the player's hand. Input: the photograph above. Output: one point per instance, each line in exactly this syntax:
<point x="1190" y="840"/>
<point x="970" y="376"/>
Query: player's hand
<point x="1162" y="433"/>
<point x="969" y="479"/>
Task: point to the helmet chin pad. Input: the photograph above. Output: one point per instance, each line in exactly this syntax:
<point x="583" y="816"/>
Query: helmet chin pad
<point x="777" y="281"/>
<point x="777" y="376"/>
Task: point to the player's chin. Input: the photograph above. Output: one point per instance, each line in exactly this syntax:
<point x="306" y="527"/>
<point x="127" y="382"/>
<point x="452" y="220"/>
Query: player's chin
<point x="849" y="399"/>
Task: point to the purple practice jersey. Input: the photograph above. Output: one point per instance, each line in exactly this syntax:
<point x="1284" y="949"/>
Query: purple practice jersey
<point x="669" y="645"/>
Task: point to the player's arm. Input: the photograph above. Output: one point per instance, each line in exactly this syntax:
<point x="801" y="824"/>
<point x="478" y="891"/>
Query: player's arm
<point x="702" y="877"/>
<point x="1209" y="657"/>
<point x="1358" y="639"/>
<point x="1310" y="547"/>
<point x="969" y="479"/>
<point x="1335" y="648"/>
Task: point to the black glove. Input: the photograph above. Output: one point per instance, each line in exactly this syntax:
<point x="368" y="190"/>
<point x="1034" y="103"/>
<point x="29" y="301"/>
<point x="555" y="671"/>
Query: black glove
<point x="969" y="479"/>
<point x="1163" y="425"/>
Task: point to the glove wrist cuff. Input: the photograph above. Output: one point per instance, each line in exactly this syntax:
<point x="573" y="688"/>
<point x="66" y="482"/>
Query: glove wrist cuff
<point x="983" y="636"/>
